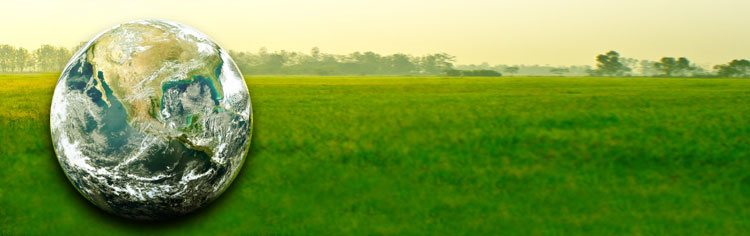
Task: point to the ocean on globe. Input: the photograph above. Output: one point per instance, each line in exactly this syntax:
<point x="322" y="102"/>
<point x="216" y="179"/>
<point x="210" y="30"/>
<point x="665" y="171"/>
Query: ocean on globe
<point x="151" y="120"/>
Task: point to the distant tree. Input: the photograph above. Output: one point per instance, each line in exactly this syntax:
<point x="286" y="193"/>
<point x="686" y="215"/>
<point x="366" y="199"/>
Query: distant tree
<point x="14" y="59"/>
<point x="684" y="67"/>
<point x="6" y="57"/>
<point x="273" y="62"/>
<point x="315" y="53"/>
<point x="735" y="68"/>
<point x="483" y="73"/>
<point x="512" y="70"/>
<point x="559" y="71"/>
<point x="436" y="63"/>
<point x="22" y="59"/>
<point x="669" y="67"/>
<point x="329" y="64"/>
<point x="367" y="62"/>
<point x="648" y="68"/>
<point x="609" y="64"/>
<point x="477" y="73"/>
<point x="241" y="59"/>
<point x="631" y="63"/>
<point x="61" y="57"/>
<point x="400" y="64"/>
<point x="49" y="58"/>
<point x="453" y="72"/>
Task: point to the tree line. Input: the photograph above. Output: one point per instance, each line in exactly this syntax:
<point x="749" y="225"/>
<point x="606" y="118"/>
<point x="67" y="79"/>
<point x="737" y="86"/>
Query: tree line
<point x="612" y="64"/>
<point x="357" y="63"/>
<point x="530" y="70"/>
<point x="48" y="58"/>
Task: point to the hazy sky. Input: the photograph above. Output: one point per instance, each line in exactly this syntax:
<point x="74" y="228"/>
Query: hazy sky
<point x="556" y="32"/>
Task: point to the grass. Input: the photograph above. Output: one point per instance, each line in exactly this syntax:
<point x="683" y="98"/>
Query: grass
<point x="457" y="156"/>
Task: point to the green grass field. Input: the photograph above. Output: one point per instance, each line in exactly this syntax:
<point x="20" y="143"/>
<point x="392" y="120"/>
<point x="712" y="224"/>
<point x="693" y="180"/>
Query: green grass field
<point x="445" y="156"/>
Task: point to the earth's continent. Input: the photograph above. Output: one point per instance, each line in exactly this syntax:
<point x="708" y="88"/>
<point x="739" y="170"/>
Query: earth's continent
<point x="151" y="120"/>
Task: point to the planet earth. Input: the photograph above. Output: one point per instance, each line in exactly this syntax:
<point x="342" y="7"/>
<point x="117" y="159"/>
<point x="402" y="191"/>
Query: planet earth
<point x="151" y="120"/>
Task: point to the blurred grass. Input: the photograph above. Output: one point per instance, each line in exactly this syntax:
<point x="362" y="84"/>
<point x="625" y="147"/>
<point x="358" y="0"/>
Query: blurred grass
<point x="457" y="156"/>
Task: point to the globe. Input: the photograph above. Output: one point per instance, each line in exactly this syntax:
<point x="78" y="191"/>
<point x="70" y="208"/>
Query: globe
<point x="151" y="120"/>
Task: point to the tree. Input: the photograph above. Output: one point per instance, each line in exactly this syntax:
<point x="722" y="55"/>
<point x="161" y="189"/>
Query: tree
<point x="49" y="58"/>
<point x="242" y="60"/>
<point x="631" y="63"/>
<point x="273" y="62"/>
<point x="400" y="64"/>
<point x="479" y="73"/>
<point x="453" y="72"/>
<point x="315" y="53"/>
<point x="609" y="64"/>
<point x="6" y="57"/>
<point x="648" y="68"/>
<point x="559" y="71"/>
<point x="367" y="62"/>
<point x="22" y="59"/>
<point x="669" y="67"/>
<point x="436" y="63"/>
<point x="735" y="68"/>
<point x="511" y="70"/>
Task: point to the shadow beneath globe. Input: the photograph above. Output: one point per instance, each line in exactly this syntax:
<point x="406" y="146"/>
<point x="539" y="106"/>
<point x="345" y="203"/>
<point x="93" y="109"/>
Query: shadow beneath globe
<point x="126" y="223"/>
